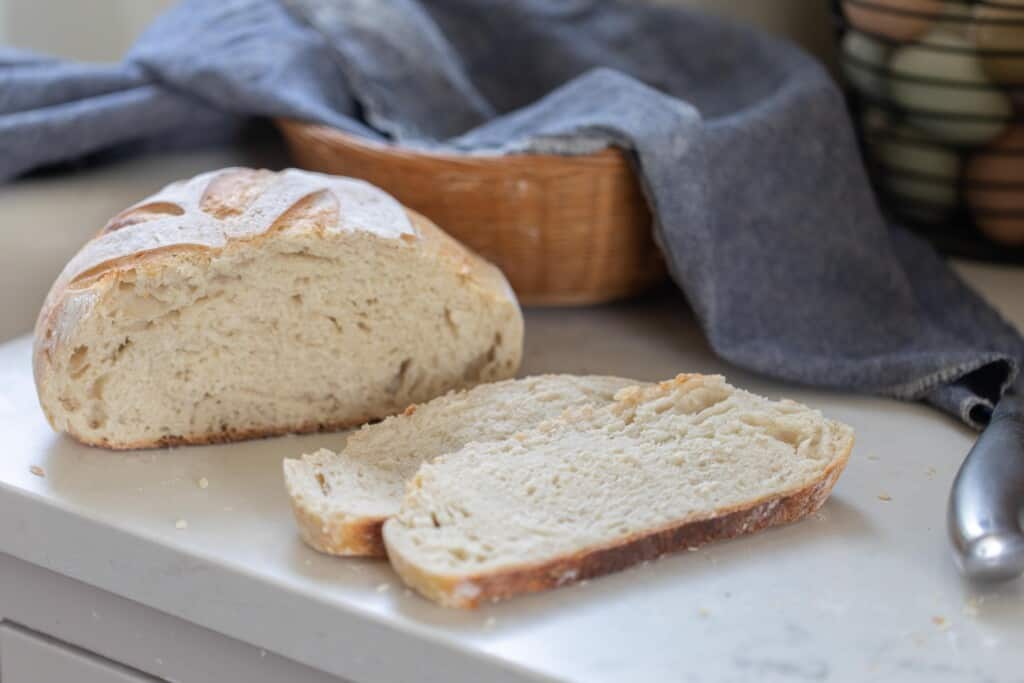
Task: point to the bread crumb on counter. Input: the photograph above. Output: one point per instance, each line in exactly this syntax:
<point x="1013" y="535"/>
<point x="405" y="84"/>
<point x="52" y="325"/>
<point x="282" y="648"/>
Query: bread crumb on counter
<point x="941" y="622"/>
<point x="203" y="482"/>
<point x="884" y="496"/>
<point x="972" y="606"/>
<point x="181" y="524"/>
<point x="38" y="471"/>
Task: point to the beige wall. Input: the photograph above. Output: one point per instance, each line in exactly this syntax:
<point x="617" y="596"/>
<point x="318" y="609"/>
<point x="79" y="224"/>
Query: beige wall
<point x="92" y="30"/>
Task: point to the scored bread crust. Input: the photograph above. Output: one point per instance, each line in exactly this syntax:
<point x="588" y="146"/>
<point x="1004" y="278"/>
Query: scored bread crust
<point x="491" y="586"/>
<point x="192" y="221"/>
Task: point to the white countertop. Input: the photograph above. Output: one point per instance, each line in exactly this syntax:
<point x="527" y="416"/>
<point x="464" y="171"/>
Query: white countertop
<point x="865" y="590"/>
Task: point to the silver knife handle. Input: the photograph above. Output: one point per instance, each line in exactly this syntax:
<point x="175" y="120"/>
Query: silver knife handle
<point x="985" y="503"/>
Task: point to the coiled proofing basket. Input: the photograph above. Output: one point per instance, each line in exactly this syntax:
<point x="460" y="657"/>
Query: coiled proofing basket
<point x="566" y="230"/>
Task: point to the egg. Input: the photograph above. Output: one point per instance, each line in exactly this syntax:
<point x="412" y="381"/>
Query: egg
<point x="918" y="175"/>
<point x="927" y="82"/>
<point x="1001" y="29"/>
<point x="995" y="182"/>
<point x="899" y="20"/>
<point x="864" y="61"/>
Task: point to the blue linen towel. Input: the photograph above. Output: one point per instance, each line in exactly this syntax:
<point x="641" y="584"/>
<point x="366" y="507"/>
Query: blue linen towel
<point x="742" y="143"/>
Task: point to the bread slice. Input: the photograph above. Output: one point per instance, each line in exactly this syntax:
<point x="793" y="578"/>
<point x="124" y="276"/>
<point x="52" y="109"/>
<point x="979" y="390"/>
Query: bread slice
<point x="664" y="468"/>
<point x="340" y="500"/>
<point x="244" y="303"/>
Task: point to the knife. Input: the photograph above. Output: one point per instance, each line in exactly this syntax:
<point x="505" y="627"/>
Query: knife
<point x="985" y="504"/>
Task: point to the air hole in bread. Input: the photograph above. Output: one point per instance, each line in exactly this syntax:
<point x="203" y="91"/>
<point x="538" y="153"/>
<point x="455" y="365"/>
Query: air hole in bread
<point x="121" y="348"/>
<point x="363" y="326"/>
<point x="297" y="299"/>
<point x="96" y="390"/>
<point x="399" y="379"/>
<point x="450" y="322"/>
<point x="324" y="486"/>
<point x="79" y="361"/>
<point x="475" y="368"/>
<point x="98" y="417"/>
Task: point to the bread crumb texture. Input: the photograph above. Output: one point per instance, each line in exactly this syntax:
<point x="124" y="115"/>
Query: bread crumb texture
<point x="341" y="499"/>
<point x="662" y="468"/>
<point x="245" y="303"/>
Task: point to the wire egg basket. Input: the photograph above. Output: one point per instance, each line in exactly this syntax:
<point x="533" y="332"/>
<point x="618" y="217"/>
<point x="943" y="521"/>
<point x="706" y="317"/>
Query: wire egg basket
<point x="936" y="88"/>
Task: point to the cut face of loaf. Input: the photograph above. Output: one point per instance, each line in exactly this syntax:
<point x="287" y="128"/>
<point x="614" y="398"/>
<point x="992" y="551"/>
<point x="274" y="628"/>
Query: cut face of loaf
<point x="663" y="468"/>
<point x="245" y="303"/>
<point x="340" y="500"/>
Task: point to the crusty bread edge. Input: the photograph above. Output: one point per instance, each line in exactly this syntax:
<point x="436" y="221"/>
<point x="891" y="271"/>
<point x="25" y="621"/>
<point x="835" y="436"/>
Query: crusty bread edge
<point x="330" y="534"/>
<point x="471" y="592"/>
<point x="220" y="437"/>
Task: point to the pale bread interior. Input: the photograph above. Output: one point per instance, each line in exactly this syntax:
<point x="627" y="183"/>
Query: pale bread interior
<point x="338" y="497"/>
<point x="292" y="333"/>
<point x="690" y="449"/>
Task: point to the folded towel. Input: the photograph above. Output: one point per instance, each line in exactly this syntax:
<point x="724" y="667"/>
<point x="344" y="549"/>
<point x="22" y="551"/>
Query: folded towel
<point x="742" y="142"/>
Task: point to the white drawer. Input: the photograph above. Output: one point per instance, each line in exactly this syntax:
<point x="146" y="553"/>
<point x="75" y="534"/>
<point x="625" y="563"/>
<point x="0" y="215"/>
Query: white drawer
<point x="29" y="657"/>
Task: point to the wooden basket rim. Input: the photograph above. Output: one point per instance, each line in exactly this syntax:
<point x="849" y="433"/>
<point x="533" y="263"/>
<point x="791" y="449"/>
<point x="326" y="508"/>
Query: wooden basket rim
<point x="610" y="156"/>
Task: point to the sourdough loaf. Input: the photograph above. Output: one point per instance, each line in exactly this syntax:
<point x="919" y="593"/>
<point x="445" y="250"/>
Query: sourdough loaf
<point x="340" y="500"/>
<point x="662" y="468"/>
<point x="244" y="303"/>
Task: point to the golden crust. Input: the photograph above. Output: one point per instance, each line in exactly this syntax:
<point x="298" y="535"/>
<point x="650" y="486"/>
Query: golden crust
<point x="471" y="592"/>
<point x="226" y="436"/>
<point x="349" y="538"/>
